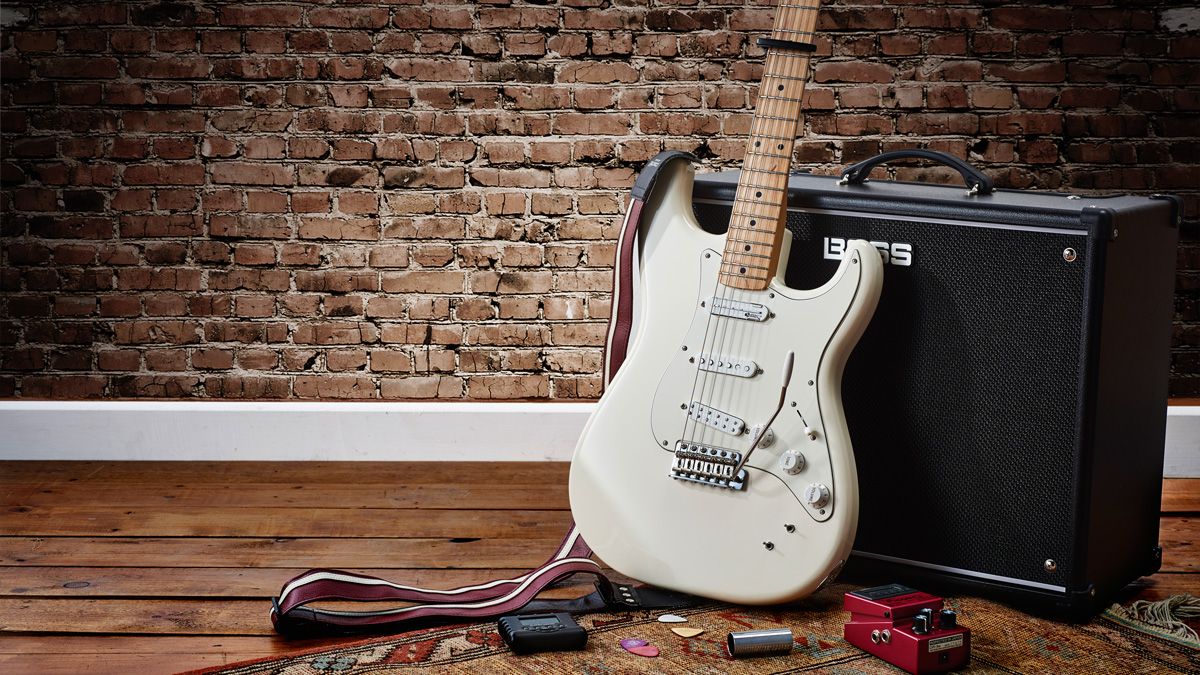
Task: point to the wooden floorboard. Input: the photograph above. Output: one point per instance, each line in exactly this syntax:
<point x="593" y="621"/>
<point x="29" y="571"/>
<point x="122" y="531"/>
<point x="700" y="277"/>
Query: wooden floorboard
<point x="220" y="521"/>
<point x="157" y="567"/>
<point x="467" y="553"/>
<point x="294" y="495"/>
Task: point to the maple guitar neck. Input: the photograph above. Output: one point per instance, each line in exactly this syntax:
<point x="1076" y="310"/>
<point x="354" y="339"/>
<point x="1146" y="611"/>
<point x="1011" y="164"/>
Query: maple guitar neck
<point x="755" y="236"/>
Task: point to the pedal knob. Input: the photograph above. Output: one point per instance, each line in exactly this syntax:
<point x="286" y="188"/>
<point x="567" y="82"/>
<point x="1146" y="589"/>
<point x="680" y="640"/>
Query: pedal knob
<point x="920" y="624"/>
<point x="816" y="495"/>
<point x="792" y="462"/>
<point x="948" y="619"/>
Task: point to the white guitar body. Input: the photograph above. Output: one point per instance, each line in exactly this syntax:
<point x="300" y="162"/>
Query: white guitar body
<point x="774" y="538"/>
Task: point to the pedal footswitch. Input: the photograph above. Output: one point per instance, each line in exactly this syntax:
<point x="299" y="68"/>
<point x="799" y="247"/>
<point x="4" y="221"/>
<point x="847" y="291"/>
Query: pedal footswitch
<point x="907" y="628"/>
<point x="534" y="633"/>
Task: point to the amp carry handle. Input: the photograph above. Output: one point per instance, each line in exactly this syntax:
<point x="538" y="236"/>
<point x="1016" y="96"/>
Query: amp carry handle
<point x="978" y="182"/>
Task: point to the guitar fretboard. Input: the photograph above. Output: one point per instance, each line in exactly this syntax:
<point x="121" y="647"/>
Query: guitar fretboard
<point x="752" y="246"/>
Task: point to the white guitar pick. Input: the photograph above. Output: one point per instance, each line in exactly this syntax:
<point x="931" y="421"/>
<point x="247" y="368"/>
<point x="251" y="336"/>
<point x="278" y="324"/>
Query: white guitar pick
<point x="671" y="618"/>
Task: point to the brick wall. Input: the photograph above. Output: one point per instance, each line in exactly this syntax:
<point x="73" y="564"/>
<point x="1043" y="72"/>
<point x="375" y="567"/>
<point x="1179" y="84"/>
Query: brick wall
<point x="404" y="199"/>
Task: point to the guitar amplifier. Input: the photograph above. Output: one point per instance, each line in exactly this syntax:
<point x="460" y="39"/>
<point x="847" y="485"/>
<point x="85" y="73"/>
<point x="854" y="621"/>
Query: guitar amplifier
<point x="1008" y="402"/>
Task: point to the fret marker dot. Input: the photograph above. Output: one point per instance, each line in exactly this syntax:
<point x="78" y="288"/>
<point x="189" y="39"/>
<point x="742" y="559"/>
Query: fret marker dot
<point x="781" y="87"/>
<point x="743" y="270"/>
<point x="781" y="146"/>
<point x="753" y="223"/>
<point x="757" y="194"/>
<point x="747" y="247"/>
<point x="757" y="143"/>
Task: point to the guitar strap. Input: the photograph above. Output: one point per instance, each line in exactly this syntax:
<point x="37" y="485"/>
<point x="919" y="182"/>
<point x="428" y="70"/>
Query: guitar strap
<point x="291" y="614"/>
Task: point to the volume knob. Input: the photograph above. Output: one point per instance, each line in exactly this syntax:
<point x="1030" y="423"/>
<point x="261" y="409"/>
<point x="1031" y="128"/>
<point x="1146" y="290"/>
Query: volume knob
<point x="816" y="495"/>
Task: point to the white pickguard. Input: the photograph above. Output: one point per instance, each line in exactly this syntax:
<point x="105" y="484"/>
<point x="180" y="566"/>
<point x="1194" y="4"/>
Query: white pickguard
<point x="733" y="545"/>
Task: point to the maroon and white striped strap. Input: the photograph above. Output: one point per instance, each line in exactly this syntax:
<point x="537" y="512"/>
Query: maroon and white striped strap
<point x="290" y="612"/>
<point x="481" y="600"/>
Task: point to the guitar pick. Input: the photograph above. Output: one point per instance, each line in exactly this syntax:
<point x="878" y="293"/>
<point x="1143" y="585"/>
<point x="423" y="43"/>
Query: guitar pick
<point x="630" y="643"/>
<point x="649" y="651"/>
<point x="684" y="631"/>
<point x="671" y="618"/>
<point x="639" y="647"/>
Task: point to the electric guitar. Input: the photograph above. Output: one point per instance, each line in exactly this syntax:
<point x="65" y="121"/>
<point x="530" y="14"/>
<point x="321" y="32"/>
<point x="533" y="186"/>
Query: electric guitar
<point x="718" y="462"/>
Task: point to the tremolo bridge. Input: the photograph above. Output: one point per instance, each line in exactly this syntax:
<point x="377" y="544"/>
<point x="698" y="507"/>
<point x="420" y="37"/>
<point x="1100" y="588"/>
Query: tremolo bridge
<point x="708" y="465"/>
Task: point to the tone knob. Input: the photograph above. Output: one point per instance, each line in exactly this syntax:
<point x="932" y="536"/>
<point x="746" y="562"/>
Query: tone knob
<point x="792" y="462"/>
<point x="768" y="438"/>
<point x="816" y="495"/>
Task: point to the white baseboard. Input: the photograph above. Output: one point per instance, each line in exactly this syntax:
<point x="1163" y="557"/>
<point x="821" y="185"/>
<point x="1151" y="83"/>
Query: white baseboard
<point x="339" y="431"/>
<point x="298" y="431"/>
<point x="1183" y="442"/>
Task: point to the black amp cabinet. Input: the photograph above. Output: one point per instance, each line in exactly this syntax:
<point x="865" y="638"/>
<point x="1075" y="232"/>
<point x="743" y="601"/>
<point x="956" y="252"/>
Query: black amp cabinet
<point x="1008" y="401"/>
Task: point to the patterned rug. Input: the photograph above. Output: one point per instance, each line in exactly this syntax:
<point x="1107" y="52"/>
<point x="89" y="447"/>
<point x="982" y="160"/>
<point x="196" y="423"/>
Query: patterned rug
<point x="1003" y="641"/>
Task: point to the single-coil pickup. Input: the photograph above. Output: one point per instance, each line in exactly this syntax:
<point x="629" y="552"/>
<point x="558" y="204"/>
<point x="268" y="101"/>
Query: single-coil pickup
<point x="738" y="309"/>
<point x="708" y="465"/>
<point x="716" y="419"/>
<point x="727" y="365"/>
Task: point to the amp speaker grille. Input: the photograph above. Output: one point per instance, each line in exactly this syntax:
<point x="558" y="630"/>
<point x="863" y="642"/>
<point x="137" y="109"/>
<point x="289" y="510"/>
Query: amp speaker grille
<point x="963" y="395"/>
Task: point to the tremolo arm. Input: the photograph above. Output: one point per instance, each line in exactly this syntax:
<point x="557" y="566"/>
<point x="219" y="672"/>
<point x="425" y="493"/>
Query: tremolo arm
<point x="787" y="377"/>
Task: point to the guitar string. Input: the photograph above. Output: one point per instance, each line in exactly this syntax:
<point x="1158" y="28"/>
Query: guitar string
<point x="763" y="119"/>
<point x="766" y="119"/>
<point x="772" y="121"/>
<point x="725" y="393"/>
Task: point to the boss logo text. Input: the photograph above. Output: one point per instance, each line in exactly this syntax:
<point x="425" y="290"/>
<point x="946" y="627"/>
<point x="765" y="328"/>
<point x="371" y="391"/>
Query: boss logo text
<point x="898" y="253"/>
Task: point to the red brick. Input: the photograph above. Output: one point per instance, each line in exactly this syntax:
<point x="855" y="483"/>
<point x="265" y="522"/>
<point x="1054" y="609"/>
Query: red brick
<point x="599" y="73"/>
<point x="508" y="386"/>
<point x="340" y="333"/>
<point x="260" y="15"/>
<point x="244" y="173"/>
<point x="349" y="17"/>
<point x="1030" y="18"/>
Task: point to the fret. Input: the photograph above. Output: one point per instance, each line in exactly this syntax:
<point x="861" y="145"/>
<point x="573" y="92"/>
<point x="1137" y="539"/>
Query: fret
<point x="751" y="200"/>
<point x="793" y="31"/>
<point x="755" y="185"/>
<point x="794" y="6"/>
<point x="772" y="76"/>
<point x="748" y="254"/>
<point x="788" y="55"/>
<point x="768" y="225"/>
<point x="758" y="116"/>
<point x="763" y="236"/>
<point x="765" y="187"/>
<point x="753" y="242"/>
<point x="767" y="154"/>
<point x="777" y="173"/>
<point x="746" y="214"/>
<point x="778" y="98"/>
<point x="759" y="236"/>
<point x="746" y="265"/>
<point x="776" y="138"/>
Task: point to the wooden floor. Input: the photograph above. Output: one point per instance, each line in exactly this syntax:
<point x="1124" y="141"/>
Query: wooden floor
<point x="162" y="567"/>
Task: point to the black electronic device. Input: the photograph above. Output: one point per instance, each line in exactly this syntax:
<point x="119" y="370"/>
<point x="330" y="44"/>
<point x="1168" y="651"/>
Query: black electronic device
<point x="534" y="633"/>
<point x="1014" y="376"/>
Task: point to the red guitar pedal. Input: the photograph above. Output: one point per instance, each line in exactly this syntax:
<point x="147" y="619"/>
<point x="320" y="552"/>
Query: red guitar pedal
<point x="907" y="628"/>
